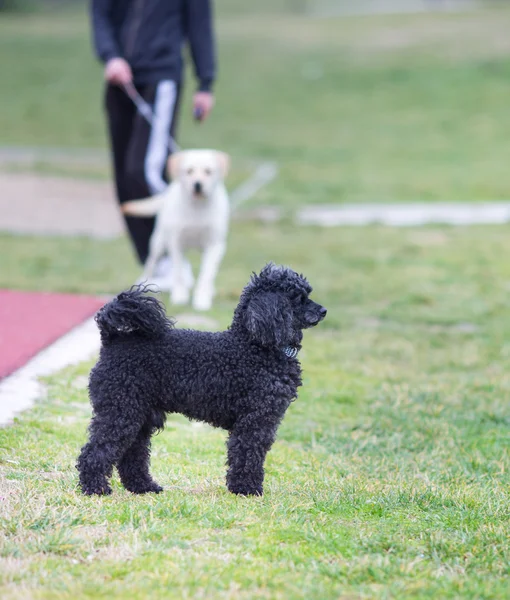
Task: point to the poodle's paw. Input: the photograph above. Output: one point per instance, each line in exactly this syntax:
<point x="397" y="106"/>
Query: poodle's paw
<point x="202" y="299"/>
<point x="96" y="490"/>
<point x="179" y="296"/>
<point x="145" y="488"/>
<point x="245" y="490"/>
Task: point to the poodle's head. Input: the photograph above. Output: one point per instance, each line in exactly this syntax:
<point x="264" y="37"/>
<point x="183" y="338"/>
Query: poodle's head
<point x="275" y="308"/>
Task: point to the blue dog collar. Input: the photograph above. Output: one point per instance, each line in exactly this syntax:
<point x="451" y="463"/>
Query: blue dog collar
<point x="291" y="351"/>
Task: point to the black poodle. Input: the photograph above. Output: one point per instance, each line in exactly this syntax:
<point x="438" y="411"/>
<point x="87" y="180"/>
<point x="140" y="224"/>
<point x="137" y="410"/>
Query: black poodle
<point x="242" y="379"/>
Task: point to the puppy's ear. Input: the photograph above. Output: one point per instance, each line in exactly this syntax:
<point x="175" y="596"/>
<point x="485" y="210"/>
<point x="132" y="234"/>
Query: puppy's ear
<point x="268" y="319"/>
<point x="224" y="163"/>
<point x="174" y="163"/>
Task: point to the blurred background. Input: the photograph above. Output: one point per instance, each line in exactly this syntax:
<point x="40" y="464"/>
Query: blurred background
<point x="372" y="101"/>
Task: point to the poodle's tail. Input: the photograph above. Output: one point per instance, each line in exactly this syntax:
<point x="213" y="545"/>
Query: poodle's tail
<point x="133" y="313"/>
<point x="148" y="207"/>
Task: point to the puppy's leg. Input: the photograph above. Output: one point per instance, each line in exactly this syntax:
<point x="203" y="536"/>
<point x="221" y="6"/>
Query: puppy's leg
<point x="110" y="436"/>
<point x="211" y="260"/>
<point x="187" y="273"/>
<point x="133" y="467"/>
<point x="181" y="282"/>
<point x="156" y="248"/>
<point x="247" y="447"/>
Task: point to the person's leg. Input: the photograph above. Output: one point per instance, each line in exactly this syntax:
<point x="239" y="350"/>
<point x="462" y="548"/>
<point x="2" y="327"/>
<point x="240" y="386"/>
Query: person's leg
<point x="120" y="112"/>
<point x="147" y="156"/>
<point x="122" y="118"/>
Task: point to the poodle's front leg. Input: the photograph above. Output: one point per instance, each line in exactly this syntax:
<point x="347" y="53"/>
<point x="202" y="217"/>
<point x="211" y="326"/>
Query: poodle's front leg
<point x="247" y="447"/>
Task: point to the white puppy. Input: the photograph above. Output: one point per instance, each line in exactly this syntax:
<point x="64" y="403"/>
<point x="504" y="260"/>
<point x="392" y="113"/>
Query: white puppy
<point x="193" y="212"/>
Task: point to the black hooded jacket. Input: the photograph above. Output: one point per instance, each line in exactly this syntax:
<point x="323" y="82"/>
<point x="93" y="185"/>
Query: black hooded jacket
<point x="150" y="34"/>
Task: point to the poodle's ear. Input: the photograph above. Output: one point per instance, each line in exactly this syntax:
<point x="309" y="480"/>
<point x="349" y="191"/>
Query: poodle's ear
<point x="174" y="163"/>
<point x="268" y="319"/>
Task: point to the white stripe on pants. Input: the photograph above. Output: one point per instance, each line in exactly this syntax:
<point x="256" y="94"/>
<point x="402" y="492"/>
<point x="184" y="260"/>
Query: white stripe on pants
<point x="157" y="148"/>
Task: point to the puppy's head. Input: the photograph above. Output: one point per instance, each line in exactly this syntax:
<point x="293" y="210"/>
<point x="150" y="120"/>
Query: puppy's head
<point x="199" y="171"/>
<point x="275" y="307"/>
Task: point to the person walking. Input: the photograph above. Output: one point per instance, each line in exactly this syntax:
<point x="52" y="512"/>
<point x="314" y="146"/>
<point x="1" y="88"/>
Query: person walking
<point x="141" y="43"/>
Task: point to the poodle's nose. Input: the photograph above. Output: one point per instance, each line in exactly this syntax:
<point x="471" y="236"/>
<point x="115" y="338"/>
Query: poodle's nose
<point x="197" y="188"/>
<point x="323" y="312"/>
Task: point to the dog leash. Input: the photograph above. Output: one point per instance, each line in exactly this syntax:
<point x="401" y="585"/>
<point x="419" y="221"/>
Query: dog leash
<point x="145" y="110"/>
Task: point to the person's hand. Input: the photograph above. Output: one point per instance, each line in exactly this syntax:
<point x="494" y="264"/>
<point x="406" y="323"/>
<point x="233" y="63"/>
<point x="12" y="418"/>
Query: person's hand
<point x="118" y="71"/>
<point x="203" y="103"/>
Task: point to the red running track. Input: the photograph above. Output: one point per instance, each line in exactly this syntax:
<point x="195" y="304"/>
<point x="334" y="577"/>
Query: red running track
<point x="30" y="321"/>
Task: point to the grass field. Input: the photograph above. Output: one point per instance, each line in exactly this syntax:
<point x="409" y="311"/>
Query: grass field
<point x="354" y="109"/>
<point x="390" y="477"/>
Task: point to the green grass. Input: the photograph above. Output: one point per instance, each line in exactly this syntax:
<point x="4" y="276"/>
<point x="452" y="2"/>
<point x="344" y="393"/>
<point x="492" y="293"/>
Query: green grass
<point x="70" y="265"/>
<point x="390" y="476"/>
<point x="355" y="109"/>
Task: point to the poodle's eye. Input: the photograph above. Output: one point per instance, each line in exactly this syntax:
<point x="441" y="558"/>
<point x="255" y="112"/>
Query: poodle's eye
<point x="208" y="171"/>
<point x="190" y="171"/>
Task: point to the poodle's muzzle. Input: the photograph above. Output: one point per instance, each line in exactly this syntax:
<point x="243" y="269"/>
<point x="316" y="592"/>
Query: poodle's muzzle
<point x="314" y="314"/>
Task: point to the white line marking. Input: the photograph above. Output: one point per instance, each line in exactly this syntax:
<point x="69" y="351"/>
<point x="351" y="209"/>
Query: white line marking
<point x="264" y="174"/>
<point x="21" y="389"/>
<point x="405" y="215"/>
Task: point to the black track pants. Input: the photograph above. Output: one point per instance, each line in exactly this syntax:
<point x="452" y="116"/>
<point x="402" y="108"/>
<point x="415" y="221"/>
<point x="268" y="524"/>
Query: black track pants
<point x="140" y="150"/>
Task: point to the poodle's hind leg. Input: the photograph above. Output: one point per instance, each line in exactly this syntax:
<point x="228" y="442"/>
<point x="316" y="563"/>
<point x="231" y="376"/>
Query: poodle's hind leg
<point x="110" y="436"/>
<point x="247" y="447"/>
<point x="133" y="467"/>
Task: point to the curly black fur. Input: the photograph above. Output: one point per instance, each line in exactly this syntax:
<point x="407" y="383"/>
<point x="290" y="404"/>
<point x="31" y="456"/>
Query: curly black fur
<point x="133" y="312"/>
<point x="240" y="380"/>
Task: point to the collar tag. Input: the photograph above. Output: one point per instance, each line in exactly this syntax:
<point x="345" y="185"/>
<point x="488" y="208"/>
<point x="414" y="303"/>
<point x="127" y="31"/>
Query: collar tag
<point x="290" y="351"/>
